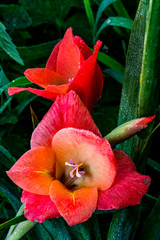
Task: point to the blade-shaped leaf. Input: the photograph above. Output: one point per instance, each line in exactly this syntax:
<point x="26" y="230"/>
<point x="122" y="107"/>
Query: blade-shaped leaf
<point x="150" y="230"/>
<point x="12" y="221"/>
<point x="7" y="160"/>
<point x="57" y="229"/>
<point x="10" y="193"/>
<point x="122" y="224"/>
<point x="110" y="62"/>
<point x="139" y="96"/>
<point x="103" y="5"/>
<point x="118" y="76"/>
<point x="88" y="230"/>
<point x="89" y="12"/>
<point x="33" y="52"/>
<point x="120" y="9"/>
<point x="153" y="164"/>
<point x="8" y="46"/>
<point x="116" y="21"/>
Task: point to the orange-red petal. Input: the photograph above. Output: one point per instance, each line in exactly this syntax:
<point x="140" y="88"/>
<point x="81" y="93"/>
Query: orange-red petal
<point x="69" y="57"/>
<point x="38" y="208"/>
<point x="88" y="82"/>
<point x="50" y="92"/>
<point x="84" y="49"/>
<point x="128" y="188"/>
<point x="75" y="207"/>
<point x="52" y="61"/>
<point x="34" y="171"/>
<point x="44" y="77"/>
<point x="93" y="152"/>
<point x="67" y="111"/>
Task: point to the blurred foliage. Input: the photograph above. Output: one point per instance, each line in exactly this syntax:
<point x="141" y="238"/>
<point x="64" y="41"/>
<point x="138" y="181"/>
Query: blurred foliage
<point x="29" y="29"/>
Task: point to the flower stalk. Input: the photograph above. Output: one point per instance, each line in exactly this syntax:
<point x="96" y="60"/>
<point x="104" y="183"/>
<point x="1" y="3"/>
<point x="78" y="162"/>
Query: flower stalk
<point x="21" y="229"/>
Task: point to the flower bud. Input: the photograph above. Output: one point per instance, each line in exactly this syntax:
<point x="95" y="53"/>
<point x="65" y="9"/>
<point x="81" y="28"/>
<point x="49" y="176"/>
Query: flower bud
<point x="128" y="129"/>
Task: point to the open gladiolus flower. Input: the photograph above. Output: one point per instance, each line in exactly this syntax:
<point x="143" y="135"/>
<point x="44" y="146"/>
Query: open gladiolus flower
<point x="70" y="170"/>
<point x="71" y="66"/>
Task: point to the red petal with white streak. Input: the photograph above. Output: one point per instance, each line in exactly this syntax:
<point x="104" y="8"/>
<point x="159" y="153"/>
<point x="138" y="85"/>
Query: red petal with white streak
<point x="67" y="111"/>
<point x="128" y="188"/>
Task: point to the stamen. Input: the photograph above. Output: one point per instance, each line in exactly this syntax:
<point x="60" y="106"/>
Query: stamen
<point x="70" y="80"/>
<point x="75" y="171"/>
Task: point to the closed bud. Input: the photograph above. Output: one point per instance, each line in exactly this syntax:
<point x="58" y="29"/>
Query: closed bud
<point x="128" y="130"/>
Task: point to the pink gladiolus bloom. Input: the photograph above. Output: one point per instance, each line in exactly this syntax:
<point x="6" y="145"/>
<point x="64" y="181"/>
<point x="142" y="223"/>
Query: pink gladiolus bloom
<point x="71" y="170"/>
<point x="71" y="66"/>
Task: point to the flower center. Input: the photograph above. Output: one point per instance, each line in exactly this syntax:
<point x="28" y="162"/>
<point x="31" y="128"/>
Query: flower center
<point x="76" y="169"/>
<point x="76" y="172"/>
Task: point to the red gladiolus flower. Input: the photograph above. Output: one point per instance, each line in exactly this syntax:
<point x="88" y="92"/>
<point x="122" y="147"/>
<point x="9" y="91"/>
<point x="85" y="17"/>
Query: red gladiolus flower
<point x="71" y="66"/>
<point x="70" y="170"/>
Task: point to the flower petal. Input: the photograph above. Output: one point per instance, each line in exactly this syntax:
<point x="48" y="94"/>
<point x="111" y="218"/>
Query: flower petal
<point x="128" y="188"/>
<point x="69" y="57"/>
<point x="38" y="208"/>
<point x="67" y="111"/>
<point x="84" y="49"/>
<point x="75" y="207"/>
<point x="44" y="77"/>
<point x="50" y="92"/>
<point x="52" y="61"/>
<point x="95" y="153"/>
<point x="88" y="82"/>
<point x="34" y="171"/>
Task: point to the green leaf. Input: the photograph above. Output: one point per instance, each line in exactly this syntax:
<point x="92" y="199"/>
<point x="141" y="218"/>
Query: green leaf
<point x="139" y="98"/>
<point x="8" y="118"/>
<point x="153" y="164"/>
<point x="8" y="46"/>
<point x="118" y="76"/>
<point x="33" y="52"/>
<point x="116" y="21"/>
<point x="89" y="12"/>
<point x="12" y="221"/>
<point x="120" y="9"/>
<point x="150" y="230"/>
<point x="110" y="62"/>
<point x="39" y="232"/>
<point x="141" y="74"/>
<point x="14" y="17"/>
<point x="57" y="229"/>
<point x="88" y="230"/>
<point x="122" y="223"/>
<point x="10" y="193"/>
<point x="18" y="82"/>
<point x="103" y="5"/>
<point x="6" y="158"/>
<point x="4" y="105"/>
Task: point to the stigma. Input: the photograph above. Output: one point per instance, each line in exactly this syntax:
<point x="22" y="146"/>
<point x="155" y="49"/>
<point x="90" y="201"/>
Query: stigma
<point x="76" y="171"/>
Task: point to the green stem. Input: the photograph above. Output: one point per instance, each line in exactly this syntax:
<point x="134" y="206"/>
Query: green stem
<point x="20" y="212"/>
<point x="21" y="230"/>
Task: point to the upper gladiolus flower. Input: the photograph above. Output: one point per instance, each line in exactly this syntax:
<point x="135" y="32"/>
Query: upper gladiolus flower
<point x="70" y="170"/>
<point x="71" y="66"/>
